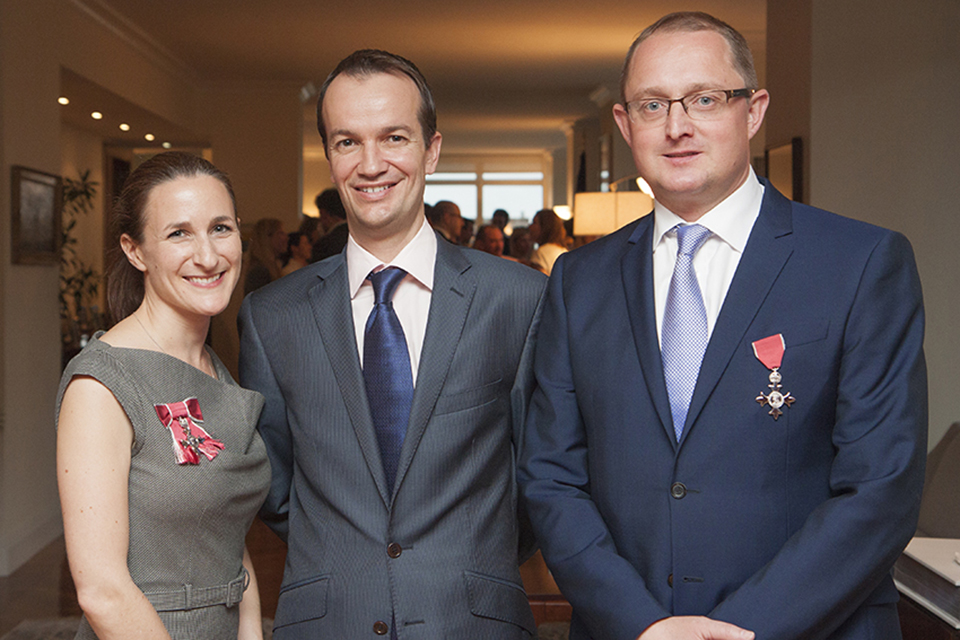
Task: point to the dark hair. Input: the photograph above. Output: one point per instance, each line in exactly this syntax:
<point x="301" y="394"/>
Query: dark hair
<point x="482" y="233"/>
<point x="696" y="21"/>
<point x="367" y="62"/>
<point x="440" y="209"/>
<point x="329" y="200"/>
<point x="293" y="240"/>
<point x="124" y="281"/>
<point x="308" y="225"/>
<point x="551" y="227"/>
<point x="519" y="239"/>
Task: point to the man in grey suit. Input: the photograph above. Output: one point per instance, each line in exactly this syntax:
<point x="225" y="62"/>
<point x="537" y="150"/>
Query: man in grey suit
<point x="400" y="522"/>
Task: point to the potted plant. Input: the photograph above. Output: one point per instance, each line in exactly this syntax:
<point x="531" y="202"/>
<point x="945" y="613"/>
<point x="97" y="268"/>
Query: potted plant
<point x="79" y="282"/>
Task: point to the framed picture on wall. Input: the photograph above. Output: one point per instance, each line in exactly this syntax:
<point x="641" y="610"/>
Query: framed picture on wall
<point x="37" y="198"/>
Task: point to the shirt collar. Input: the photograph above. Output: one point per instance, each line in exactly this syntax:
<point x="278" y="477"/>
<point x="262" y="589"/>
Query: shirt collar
<point x="731" y="220"/>
<point x="417" y="259"/>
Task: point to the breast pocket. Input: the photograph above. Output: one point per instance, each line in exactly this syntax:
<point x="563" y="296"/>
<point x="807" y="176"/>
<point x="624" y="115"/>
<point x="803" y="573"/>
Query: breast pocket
<point x="806" y="332"/>
<point x="470" y="398"/>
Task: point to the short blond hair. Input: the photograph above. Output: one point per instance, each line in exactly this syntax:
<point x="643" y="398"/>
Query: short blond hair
<point x="696" y="21"/>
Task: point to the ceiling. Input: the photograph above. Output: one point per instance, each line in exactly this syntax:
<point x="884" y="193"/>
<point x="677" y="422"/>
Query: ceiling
<point x="86" y="97"/>
<point x="506" y="74"/>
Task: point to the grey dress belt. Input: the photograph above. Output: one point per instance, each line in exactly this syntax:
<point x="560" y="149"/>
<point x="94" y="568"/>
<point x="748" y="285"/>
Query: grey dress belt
<point x="190" y="597"/>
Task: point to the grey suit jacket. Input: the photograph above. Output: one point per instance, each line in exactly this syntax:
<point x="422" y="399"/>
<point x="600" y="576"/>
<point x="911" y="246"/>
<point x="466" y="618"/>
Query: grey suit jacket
<point x="440" y="554"/>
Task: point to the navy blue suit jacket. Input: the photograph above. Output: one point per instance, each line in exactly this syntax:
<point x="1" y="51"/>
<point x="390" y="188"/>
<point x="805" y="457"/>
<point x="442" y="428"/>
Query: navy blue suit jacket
<point x="788" y="528"/>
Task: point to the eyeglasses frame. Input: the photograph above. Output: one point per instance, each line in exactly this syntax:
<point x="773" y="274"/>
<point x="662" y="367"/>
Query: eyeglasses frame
<point x="729" y="93"/>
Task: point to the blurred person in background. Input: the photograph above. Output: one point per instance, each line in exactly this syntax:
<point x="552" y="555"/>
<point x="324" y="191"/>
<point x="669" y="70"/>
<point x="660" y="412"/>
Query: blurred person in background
<point x="521" y="248"/>
<point x="298" y="250"/>
<point x="333" y="218"/>
<point x="501" y="220"/>
<point x="267" y="246"/>
<point x="466" y="233"/>
<point x="551" y="237"/>
<point x="445" y="218"/>
<point x="311" y="227"/>
<point x="490" y="239"/>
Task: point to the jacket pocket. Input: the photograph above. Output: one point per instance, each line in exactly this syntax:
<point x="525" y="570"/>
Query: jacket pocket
<point x="806" y="332"/>
<point x="499" y="599"/>
<point x="449" y="403"/>
<point x="302" y="601"/>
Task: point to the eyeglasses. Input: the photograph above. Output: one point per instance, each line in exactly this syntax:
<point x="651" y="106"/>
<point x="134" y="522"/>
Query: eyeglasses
<point x="703" y="105"/>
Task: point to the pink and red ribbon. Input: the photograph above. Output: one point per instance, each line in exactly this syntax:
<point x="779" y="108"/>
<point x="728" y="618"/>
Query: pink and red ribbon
<point x="770" y="350"/>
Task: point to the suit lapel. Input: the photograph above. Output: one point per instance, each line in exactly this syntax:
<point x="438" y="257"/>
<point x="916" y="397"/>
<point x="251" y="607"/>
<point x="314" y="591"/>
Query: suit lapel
<point x="767" y="251"/>
<point x="453" y="288"/>
<point x="330" y="301"/>
<point x="636" y="268"/>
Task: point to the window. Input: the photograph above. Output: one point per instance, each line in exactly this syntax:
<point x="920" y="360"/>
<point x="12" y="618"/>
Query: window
<point x="463" y="195"/>
<point x="521" y="201"/>
<point x="507" y="183"/>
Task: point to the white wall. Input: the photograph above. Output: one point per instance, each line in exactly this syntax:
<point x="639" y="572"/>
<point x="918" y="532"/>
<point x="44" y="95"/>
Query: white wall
<point x="256" y="131"/>
<point x="884" y="149"/>
<point x="29" y="360"/>
<point x="255" y="134"/>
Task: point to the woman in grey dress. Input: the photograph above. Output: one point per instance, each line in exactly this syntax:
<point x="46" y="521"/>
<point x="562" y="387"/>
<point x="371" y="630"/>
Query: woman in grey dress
<point x="160" y="468"/>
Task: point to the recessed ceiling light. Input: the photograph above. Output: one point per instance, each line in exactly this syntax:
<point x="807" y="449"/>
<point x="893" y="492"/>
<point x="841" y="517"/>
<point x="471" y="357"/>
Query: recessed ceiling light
<point x="149" y="137"/>
<point x="63" y="100"/>
<point x="124" y="126"/>
<point x="96" y="115"/>
<point x="166" y="145"/>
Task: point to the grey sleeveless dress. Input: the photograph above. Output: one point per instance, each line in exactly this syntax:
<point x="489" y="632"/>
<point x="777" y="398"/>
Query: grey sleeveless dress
<point x="187" y="522"/>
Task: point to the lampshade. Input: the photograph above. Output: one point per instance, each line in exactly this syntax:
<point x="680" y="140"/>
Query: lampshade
<point x="600" y="213"/>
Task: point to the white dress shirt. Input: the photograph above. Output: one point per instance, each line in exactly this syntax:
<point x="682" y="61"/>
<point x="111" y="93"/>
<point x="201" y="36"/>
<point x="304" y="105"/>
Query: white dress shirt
<point x="411" y="300"/>
<point x="731" y="222"/>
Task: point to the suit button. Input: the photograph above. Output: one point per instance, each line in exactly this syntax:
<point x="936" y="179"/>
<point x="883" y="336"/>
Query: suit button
<point x="678" y="491"/>
<point x="381" y="628"/>
<point x="394" y="550"/>
<point x="670" y="581"/>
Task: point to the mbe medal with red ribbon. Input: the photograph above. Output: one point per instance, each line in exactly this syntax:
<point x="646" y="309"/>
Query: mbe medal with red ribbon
<point x="189" y="438"/>
<point x="769" y="351"/>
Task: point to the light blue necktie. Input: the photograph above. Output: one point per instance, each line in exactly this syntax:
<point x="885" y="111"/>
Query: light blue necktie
<point x="386" y="371"/>
<point x="683" y="337"/>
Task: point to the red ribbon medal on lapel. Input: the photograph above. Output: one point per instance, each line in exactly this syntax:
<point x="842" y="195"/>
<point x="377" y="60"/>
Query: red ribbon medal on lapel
<point x="189" y="439"/>
<point x="769" y="351"/>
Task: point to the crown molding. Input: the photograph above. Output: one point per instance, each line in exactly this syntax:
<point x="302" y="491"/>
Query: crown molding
<point x="108" y="18"/>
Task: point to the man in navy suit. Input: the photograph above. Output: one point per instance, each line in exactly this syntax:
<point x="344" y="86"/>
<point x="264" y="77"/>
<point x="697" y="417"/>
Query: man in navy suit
<point x="727" y="434"/>
<point x="396" y="376"/>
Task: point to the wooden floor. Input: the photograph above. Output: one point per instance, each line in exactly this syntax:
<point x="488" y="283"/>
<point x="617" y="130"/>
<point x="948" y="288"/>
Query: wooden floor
<point x="42" y="588"/>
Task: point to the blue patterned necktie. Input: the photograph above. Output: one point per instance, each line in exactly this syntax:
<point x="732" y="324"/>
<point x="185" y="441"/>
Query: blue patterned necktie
<point x="386" y="371"/>
<point x="683" y="338"/>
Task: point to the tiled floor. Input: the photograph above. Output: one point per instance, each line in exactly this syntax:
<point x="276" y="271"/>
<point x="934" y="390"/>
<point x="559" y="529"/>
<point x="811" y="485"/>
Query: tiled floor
<point x="42" y="588"/>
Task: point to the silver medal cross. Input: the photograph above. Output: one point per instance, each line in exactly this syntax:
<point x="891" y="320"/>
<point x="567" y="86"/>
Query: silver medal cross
<point x="775" y="398"/>
<point x="191" y="440"/>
